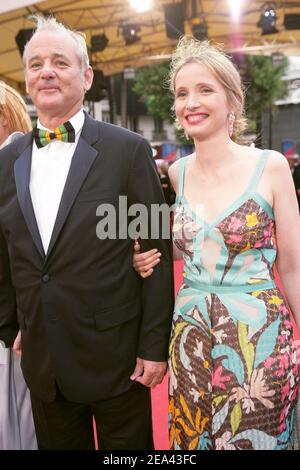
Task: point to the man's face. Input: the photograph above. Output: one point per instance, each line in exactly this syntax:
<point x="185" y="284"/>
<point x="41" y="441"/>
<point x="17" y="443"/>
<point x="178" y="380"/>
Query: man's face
<point x="54" y="77"/>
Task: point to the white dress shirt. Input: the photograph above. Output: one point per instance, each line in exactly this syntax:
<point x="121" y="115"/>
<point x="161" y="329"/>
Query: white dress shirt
<point x="49" y="170"/>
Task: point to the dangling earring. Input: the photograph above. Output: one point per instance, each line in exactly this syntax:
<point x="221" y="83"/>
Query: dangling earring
<point x="187" y="137"/>
<point x="231" y="119"/>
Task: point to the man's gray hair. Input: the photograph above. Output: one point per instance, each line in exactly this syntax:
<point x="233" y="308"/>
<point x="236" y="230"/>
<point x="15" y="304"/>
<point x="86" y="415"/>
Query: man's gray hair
<point x="51" y="24"/>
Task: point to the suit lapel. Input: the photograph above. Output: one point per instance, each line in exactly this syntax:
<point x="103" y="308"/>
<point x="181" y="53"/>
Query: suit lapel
<point x="82" y="161"/>
<point x="22" y="178"/>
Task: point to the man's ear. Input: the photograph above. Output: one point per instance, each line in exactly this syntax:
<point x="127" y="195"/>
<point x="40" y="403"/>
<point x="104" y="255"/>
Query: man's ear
<point x="26" y="85"/>
<point x="88" y="78"/>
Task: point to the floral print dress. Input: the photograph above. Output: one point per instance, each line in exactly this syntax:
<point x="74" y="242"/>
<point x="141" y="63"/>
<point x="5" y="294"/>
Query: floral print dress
<point x="233" y="366"/>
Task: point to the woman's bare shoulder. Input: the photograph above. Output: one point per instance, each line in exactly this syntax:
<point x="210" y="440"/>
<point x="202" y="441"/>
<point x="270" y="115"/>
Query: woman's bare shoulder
<point x="276" y="161"/>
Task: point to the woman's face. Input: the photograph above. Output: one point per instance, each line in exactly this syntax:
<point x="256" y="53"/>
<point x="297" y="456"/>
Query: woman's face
<point x="4" y="131"/>
<point x="201" y="103"/>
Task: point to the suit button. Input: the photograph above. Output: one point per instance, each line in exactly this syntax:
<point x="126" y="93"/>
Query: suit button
<point x="46" y="278"/>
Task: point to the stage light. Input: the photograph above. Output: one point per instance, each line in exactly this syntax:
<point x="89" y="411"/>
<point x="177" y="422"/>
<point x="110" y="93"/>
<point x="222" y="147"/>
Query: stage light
<point x="99" y="42"/>
<point x="99" y="88"/>
<point x="141" y="5"/>
<point x="267" y="21"/>
<point x="199" y="29"/>
<point x="235" y="7"/>
<point x="174" y="20"/>
<point x="291" y="21"/>
<point x="23" y="36"/>
<point x="129" y="32"/>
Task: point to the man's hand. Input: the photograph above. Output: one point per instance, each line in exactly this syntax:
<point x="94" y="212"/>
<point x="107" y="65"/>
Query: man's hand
<point x="149" y="373"/>
<point x="17" y="349"/>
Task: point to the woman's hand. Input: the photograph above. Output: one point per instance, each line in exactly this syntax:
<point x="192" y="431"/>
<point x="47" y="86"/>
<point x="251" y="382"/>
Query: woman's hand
<point x="144" y="263"/>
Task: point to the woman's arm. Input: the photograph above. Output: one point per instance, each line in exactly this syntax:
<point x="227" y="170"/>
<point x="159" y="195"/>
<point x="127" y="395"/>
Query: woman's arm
<point x="287" y="222"/>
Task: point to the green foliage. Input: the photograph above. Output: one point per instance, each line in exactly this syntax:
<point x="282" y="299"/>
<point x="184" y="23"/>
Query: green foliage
<point x="264" y="85"/>
<point x="180" y="137"/>
<point x="150" y="83"/>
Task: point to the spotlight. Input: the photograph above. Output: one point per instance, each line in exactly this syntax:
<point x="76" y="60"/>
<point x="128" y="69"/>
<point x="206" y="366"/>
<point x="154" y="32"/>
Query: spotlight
<point x="98" y="90"/>
<point x="22" y="38"/>
<point x="129" y="32"/>
<point x="292" y="21"/>
<point x="235" y="6"/>
<point x="140" y="5"/>
<point x="99" y="42"/>
<point x="174" y="20"/>
<point x="199" y="29"/>
<point x="267" y="21"/>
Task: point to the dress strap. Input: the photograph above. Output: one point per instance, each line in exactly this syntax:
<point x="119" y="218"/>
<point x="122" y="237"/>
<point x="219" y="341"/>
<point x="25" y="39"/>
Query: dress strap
<point x="259" y="170"/>
<point x="181" y="172"/>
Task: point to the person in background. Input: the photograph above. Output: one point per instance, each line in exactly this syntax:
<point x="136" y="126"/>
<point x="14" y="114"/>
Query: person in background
<point x="94" y="338"/>
<point x="16" y="422"/>
<point x="163" y="167"/>
<point x="233" y="365"/>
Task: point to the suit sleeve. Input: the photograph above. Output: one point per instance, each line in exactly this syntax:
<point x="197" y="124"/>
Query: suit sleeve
<point x="158" y="289"/>
<point x="8" y="316"/>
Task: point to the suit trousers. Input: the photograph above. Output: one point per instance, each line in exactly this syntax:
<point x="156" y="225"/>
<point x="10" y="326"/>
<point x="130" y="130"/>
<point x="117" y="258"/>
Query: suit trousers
<point x="123" y="422"/>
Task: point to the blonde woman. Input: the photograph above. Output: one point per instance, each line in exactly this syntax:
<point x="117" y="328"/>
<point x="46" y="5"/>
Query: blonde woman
<point x="16" y="423"/>
<point x="233" y="367"/>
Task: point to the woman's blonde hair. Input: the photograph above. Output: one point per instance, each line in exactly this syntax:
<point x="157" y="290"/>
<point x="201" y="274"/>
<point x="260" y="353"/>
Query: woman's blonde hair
<point x="216" y="60"/>
<point x="13" y="108"/>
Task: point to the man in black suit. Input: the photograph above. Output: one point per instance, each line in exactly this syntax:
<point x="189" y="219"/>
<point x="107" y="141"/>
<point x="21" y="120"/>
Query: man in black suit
<point x="94" y="337"/>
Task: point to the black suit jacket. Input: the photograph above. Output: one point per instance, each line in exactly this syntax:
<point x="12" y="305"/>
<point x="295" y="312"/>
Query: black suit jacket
<point x="83" y="312"/>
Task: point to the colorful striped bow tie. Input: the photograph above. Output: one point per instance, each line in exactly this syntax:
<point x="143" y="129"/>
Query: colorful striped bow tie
<point x="65" y="133"/>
